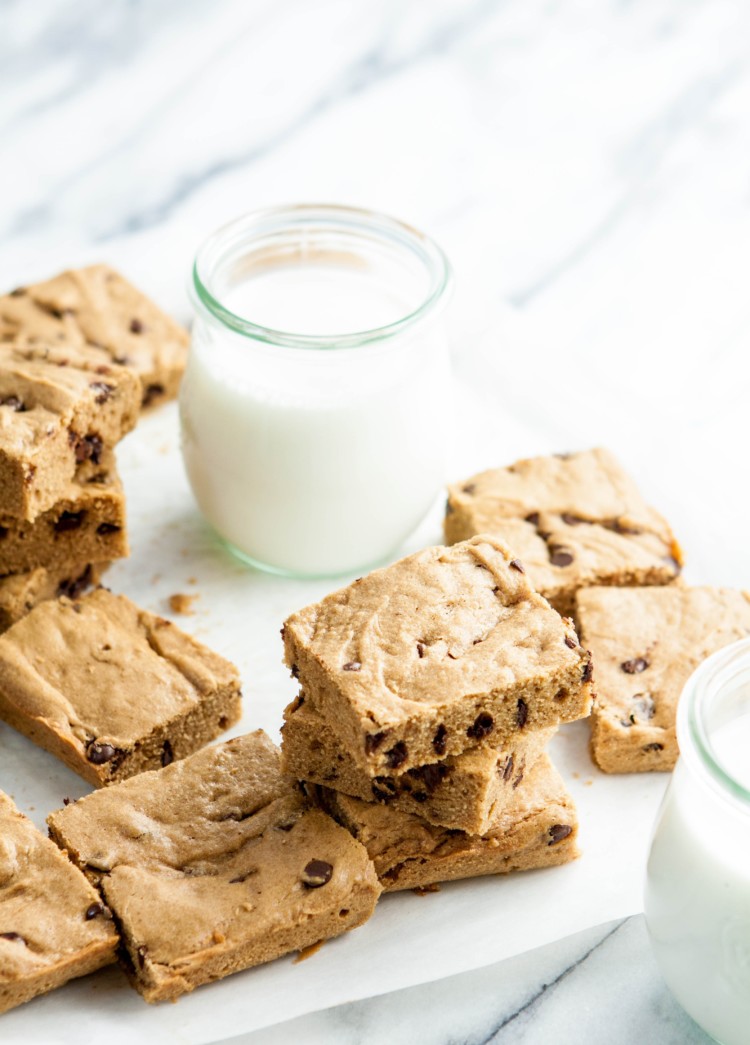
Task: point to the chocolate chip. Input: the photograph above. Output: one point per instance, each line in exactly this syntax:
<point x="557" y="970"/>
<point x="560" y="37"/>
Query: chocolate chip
<point x="519" y="778"/>
<point x="634" y="666"/>
<point x="87" y="448"/>
<point x="516" y="564"/>
<point x="558" y="557"/>
<point x="654" y="747"/>
<point x="100" y="753"/>
<point x="449" y="509"/>
<point x="18" y="292"/>
<point x="383" y="789"/>
<point x="470" y="488"/>
<point x="74" y="586"/>
<point x="558" y="832"/>
<point x="13" y="403"/>
<point x="588" y="672"/>
<point x="152" y="392"/>
<point x="431" y="775"/>
<point x="69" y="521"/>
<point x="420" y="649"/>
<point x="570" y="642"/>
<point x="397" y="755"/>
<point x="439" y="740"/>
<point x="373" y="742"/>
<point x="136" y="327"/>
<point x="643" y="707"/>
<point x="571" y="520"/>
<point x="66" y="801"/>
<point x="4" y="531"/>
<point x="105" y="528"/>
<point x="95" y="910"/>
<point x="167" y="754"/>
<point x="294" y="671"/>
<point x="352" y="665"/>
<point x="317" y="873"/>
<point x="13" y="937"/>
<point x="533" y="518"/>
<point x="282" y="631"/>
<point x="482" y="727"/>
<point x="103" y="391"/>
<point x="522" y="713"/>
<point x="507" y="769"/>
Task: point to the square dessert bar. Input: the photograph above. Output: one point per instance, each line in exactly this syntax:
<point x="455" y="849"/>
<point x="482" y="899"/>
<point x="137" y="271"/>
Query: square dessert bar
<point x="58" y="408"/>
<point x="21" y="592"/>
<point x="440" y="652"/>
<point x="87" y="524"/>
<point x="111" y="689"/>
<point x="574" y="520"/>
<point x="53" y="926"/>
<point x="216" y="864"/>
<point x="646" y="642"/>
<point x="465" y="791"/>
<point x="98" y="308"/>
<point x="538" y="829"/>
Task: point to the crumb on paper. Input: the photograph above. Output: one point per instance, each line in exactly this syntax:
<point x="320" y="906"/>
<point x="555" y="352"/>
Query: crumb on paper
<point x="589" y="782"/>
<point x="308" y="952"/>
<point x="156" y="578"/>
<point x="423" y="890"/>
<point x="181" y="603"/>
<point x="192" y="580"/>
<point x="575" y="774"/>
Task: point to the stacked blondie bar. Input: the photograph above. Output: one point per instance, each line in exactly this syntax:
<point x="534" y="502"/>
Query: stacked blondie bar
<point x="79" y="355"/>
<point x="429" y="692"/>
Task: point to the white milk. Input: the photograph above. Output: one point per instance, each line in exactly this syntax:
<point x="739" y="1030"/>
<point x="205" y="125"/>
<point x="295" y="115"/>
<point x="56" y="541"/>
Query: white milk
<point x="308" y="460"/>
<point x="698" y="891"/>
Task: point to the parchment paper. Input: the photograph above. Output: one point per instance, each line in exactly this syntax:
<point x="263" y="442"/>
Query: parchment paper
<point x="410" y="939"/>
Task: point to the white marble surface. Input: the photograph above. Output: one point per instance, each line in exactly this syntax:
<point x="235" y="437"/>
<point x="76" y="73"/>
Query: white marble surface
<point x="585" y="164"/>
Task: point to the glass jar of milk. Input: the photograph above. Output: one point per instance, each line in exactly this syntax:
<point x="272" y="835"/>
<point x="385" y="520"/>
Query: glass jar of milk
<point x="314" y="407"/>
<point x="698" y="881"/>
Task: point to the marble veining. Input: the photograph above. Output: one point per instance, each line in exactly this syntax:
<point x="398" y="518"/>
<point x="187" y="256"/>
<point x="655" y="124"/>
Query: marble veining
<point x="585" y="166"/>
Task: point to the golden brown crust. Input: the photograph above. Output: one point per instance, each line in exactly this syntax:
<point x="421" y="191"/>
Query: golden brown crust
<point x="646" y="642"/>
<point x="216" y="864"/>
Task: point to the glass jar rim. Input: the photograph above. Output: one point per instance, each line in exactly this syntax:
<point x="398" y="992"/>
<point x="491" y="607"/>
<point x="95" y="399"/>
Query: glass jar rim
<point x="352" y="219"/>
<point x="717" y="671"/>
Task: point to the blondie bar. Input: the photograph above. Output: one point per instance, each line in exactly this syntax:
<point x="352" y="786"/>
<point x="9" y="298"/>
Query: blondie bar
<point x="111" y="689"/>
<point x="58" y="408"/>
<point x="97" y="307"/>
<point x="574" y="520"/>
<point x="465" y="791"/>
<point x="538" y="829"/>
<point x="53" y="926"/>
<point x="216" y="864"/>
<point x="87" y="524"/>
<point x="646" y="642"/>
<point x="439" y="653"/>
